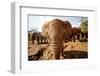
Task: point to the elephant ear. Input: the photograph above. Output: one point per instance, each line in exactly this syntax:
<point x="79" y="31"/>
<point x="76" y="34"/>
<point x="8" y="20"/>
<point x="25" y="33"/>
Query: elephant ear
<point x="45" y="28"/>
<point x="68" y="24"/>
<point x="68" y="28"/>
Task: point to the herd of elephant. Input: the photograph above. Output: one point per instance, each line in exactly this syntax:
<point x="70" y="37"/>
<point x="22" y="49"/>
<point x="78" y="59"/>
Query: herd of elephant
<point x="40" y="39"/>
<point x="55" y="32"/>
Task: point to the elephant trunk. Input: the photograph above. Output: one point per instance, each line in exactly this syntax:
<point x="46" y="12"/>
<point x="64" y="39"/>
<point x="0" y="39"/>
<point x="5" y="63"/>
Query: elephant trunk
<point x="56" y="46"/>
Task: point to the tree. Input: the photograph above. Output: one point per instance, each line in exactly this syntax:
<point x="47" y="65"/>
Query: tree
<point x="84" y="29"/>
<point x="84" y="25"/>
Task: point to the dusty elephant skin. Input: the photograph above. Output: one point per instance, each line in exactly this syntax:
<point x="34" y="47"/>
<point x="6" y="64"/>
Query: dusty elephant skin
<point x="55" y="30"/>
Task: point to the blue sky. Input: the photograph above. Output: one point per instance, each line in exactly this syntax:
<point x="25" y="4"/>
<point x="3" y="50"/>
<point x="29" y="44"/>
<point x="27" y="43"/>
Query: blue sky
<point x="36" y="22"/>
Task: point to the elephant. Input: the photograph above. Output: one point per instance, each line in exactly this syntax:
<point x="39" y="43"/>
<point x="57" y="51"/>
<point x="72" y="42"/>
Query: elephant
<point x="32" y="36"/>
<point x="76" y="31"/>
<point x="55" y="30"/>
<point x="84" y="36"/>
<point x="78" y="34"/>
<point x="39" y="37"/>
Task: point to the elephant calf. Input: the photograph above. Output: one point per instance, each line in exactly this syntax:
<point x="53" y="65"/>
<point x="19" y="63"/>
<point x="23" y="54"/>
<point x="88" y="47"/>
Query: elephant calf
<point x="55" y="30"/>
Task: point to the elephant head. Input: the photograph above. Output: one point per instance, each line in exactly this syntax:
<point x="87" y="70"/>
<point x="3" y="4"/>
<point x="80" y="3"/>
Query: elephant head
<point x="55" y="31"/>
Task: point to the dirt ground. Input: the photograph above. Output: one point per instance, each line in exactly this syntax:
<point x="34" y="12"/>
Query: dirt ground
<point x="79" y="46"/>
<point x="33" y="47"/>
<point x="71" y="49"/>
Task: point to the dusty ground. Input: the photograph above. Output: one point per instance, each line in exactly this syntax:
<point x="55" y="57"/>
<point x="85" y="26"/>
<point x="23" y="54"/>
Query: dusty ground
<point x="32" y="47"/>
<point x="71" y="49"/>
<point x="79" y="46"/>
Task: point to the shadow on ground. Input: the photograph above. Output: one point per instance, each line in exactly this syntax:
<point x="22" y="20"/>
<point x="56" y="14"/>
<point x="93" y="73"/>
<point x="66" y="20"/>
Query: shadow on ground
<point x="75" y="54"/>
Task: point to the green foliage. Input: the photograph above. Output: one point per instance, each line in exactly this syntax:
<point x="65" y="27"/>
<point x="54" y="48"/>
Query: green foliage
<point x="84" y="25"/>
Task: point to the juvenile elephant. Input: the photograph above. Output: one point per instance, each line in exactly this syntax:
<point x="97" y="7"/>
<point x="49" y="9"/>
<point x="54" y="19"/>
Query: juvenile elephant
<point x="55" y="31"/>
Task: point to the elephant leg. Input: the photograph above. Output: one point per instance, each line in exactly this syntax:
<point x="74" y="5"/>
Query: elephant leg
<point x="41" y="40"/>
<point x="82" y="36"/>
<point x="86" y="36"/>
<point x="45" y="40"/>
<point x="37" y="40"/>
<point x="74" y="38"/>
<point x="71" y="38"/>
<point x="77" y="36"/>
<point x="33" y="41"/>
